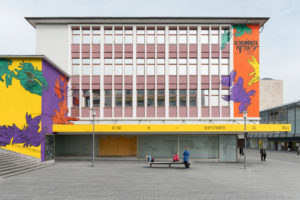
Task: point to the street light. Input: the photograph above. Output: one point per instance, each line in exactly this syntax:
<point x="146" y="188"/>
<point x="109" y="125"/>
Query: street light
<point x="94" y="114"/>
<point x="245" y="136"/>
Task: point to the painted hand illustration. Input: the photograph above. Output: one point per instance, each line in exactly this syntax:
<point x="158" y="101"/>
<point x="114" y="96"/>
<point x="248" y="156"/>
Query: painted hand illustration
<point x="241" y="30"/>
<point x="255" y="72"/>
<point x="237" y="93"/>
<point x="31" y="79"/>
<point x="29" y="135"/>
<point x="4" y="70"/>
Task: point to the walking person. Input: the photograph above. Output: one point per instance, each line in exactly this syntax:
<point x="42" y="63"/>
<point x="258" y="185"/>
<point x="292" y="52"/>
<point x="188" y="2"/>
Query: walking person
<point x="261" y="154"/>
<point x="298" y="150"/>
<point x="264" y="154"/>
<point x="186" y="155"/>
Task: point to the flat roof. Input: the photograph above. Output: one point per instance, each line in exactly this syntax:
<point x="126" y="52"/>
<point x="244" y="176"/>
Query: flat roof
<point x="280" y="106"/>
<point x="147" y="20"/>
<point x="38" y="56"/>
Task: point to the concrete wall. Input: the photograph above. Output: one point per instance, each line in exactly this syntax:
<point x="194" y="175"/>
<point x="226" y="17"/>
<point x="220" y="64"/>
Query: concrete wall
<point x="52" y="41"/>
<point x="271" y="93"/>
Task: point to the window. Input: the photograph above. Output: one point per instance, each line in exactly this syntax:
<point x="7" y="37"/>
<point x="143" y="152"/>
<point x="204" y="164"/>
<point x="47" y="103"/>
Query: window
<point x="204" y="35"/>
<point x="140" y="38"/>
<point x="172" y="35"/>
<point x="108" y="98"/>
<point x="193" y="98"/>
<point x="192" y="66"/>
<point x="150" y="67"/>
<point x="96" y="98"/>
<point x="172" y="66"/>
<point x="75" y="61"/>
<point x="86" y="98"/>
<point x="150" y="98"/>
<point x="108" y="70"/>
<point x="172" y="98"/>
<point x="86" y="70"/>
<point x="76" y="35"/>
<point x="96" y="35"/>
<point x="182" y="97"/>
<point x="214" y="35"/>
<point x="118" y="66"/>
<point x="182" y="35"/>
<point x="160" y="66"/>
<point x="140" y="98"/>
<point x="204" y="67"/>
<point x="128" y="69"/>
<point x="128" y="39"/>
<point x="118" y="98"/>
<point x="96" y="70"/>
<point x="75" y="95"/>
<point x="160" y="35"/>
<point x="76" y="70"/>
<point x="224" y="94"/>
<point x="161" y="98"/>
<point x="214" y="98"/>
<point x="182" y="67"/>
<point x="204" y="97"/>
<point x="193" y="35"/>
<point x="108" y="38"/>
<point x="86" y="35"/>
<point x="128" y="98"/>
<point x="118" y="35"/>
<point x="140" y="70"/>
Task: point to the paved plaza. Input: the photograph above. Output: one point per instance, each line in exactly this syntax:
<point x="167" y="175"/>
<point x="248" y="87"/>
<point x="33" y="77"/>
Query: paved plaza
<point x="277" y="178"/>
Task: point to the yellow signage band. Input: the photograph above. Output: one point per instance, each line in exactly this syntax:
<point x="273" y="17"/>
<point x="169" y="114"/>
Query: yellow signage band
<point x="173" y="128"/>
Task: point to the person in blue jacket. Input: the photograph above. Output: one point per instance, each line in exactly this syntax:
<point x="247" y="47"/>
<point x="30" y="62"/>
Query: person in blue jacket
<point x="186" y="155"/>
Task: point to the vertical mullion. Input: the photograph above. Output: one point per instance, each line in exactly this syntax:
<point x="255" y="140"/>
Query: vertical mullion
<point x="167" y="71"/>
<point x="102" y="94"/>
<point x="80" y="73"/>
<point x="155" y="71"/>
<point x="188" y="72"/>
<point x="177" y="71"/>
<point x="231" y="105"/>
<point x="123" y="72"/>
<point x="145" y="71"/>
<point x="219" y="70"/>
<point x="91" y="69"/>
<point x="199" y="67"/>
<point x="209" y="71"/>
<point x="70" y="70"/>
<point x="113" y="71"/>
<point x="134" y="93"/>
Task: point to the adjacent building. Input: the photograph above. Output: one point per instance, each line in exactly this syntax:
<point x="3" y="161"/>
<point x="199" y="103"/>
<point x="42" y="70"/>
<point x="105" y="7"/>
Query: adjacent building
<point x="271" y="93"/>
<point x="154" y="85"/>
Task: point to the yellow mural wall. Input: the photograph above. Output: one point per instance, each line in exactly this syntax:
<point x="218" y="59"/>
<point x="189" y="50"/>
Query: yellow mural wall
<point x="15" y="102"/>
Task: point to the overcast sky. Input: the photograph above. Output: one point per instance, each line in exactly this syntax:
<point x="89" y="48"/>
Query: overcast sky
<point x="279" y="40"/>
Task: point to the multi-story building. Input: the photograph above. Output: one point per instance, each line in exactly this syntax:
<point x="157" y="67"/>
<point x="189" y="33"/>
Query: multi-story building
<point x="270" y="93"/>
<point x="155" y="71"/>
<point x="283" y="114"/>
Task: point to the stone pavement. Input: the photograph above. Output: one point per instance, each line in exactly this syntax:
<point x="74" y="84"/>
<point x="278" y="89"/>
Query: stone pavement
<point x="274" y="179"/>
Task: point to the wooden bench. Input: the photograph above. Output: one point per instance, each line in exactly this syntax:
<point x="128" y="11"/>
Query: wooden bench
<point x="166" y="163"/>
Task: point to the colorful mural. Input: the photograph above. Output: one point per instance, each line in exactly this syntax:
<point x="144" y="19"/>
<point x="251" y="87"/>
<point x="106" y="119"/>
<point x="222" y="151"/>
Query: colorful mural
<point x="28" y="103"/>
<point x="245" y="67"/>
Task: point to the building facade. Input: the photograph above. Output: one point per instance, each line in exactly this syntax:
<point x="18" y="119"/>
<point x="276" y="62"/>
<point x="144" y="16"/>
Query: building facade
<point x="271" y="93"/>
<point x="33" y="98"/>
<point x="152" y="71"/>
<point x="283" y="114"/>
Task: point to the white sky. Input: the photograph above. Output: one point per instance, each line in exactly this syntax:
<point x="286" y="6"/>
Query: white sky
<point x="280" y="41"/>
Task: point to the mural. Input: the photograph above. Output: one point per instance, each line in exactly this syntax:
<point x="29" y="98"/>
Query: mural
<point x="30" y="78"/>
<point x="28" y="136"/>
<point x="245" y="67"/>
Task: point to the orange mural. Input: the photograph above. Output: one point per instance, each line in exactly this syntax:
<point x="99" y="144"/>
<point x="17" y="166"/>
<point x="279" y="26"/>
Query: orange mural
<point x="246" y="67"/>
<point x="60" y="115"/>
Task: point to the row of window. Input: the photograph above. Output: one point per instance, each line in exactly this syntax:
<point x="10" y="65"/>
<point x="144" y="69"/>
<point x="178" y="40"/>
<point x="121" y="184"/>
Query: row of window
<point x="150" y="70"/>
<point x="150" y="36"/>
<point x="149" y="97"/>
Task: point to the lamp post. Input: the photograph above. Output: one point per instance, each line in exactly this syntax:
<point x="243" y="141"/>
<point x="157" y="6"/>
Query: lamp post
<point x="245" y="137"/>
<point x="94" y="114"/>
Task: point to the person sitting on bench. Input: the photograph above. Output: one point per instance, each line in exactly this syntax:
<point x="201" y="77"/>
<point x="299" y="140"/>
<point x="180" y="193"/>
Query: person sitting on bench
<point x="149" y="158"/>
<point x="176" y="157"/>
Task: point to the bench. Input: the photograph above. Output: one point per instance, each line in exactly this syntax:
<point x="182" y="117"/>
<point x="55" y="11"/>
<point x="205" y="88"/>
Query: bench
<point x="166" y="163"/>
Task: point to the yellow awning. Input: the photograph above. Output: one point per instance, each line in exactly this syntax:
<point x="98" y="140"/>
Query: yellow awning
<point x="173" y="128"/>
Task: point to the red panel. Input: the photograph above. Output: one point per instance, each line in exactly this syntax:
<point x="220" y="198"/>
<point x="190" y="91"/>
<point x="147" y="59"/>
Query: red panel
<point x="182" y="55"/>
<point x="107" y="48"/>
<point x="204" y="111"/>
<point x="107" y="55"/>
<point x="182" y="79"/>
<point x="173" y="48"/>
<point x="140" y="112"/>
<point x="140" y="79"/>
<point x="214" y="55"/>
<point x="96" y="79"/>
<point x="107" y="86"/>
<point x="128" y="55"/>
<point x="140" y="48"/>
<point x="96" y="55"/>
<point x="128" y="112"/>
<point x="118" y="55"/>
<point x="160" y="111"/>
<point x="182" y="48"/>
<point x="151" y="111"/>
<point x="128" y="86"/>
<point x="75" y="87"/>
<point x="225" y="111"/>
<point x="193" y="111"/>
<point x="118" y="48"/>
<point x="205" y="48"/>
<point x="204" y="55"/>
<point x="172" y="55"/>
<point x="85" y="48"/>
<point x="118" y="80"/>
<point x="215" y="48"/>
<point x="128" y="48"/>
<point x="75" y="112"/>
<point x="85" y="79"/>
<point x="215" y="111"/>
<point x="128" y="79"/>
<point x="150" y="80"/>
<point x="75" y="55"/>
<point x="85" y="86"/>
<point x="151" y="48"/>
<point x="205" y="79"/>
<point x="75" y="79"/>
<point x="160" y="79"/>
<point x="85" y="55"/>
<point x="95" y="86"/>
<point x="193" y="48"/>
<point x="215" y="79"/>
<point x="193" y="79"/>
<point x="193" y="55"/>
<point x="182" y="111"/>
<point x="107" y="112"/>
<point x="75" y="48"/>
<point x="172" y="111"/>
<point x="85" y="112"/>
<point x="226" y="48"/>
<point x="204" y="86"/>
<point x="225" y="55"/>
<point x="97" y="112"/>
<point x="96" y="48"/>
<point x="107" y="79"/>
<point x="160" y="55"/>
<point x="140" y="55"/>
<point x="161" y="48"/>
<point x="160" y="86"/>
<point x="118" y="112"/>
<point x="172" y="79"/>
<point x="150" y="55"/>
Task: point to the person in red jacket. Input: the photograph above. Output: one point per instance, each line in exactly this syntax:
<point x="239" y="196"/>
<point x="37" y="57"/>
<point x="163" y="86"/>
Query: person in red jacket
<point x="176" y="157"/>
